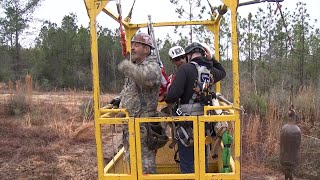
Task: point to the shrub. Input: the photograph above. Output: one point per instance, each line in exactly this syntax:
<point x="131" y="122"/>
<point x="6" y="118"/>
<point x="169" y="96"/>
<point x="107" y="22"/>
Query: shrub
<point x="18" y="105"/>
<point x="86" y="109"/>
<point x="255" y="104"/>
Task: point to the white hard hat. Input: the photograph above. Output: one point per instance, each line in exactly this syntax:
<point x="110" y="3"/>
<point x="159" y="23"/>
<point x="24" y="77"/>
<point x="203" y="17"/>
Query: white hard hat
<point x="176" y="51"/>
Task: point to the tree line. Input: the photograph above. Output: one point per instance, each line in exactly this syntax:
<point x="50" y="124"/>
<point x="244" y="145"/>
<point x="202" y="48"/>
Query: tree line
<point x="270" y="56"/>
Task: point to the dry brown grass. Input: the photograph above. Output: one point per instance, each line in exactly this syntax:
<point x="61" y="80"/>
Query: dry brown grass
<point x="52" y="139"/>
<point x="250" y="136"/>
<point x="260" y="134"/>
<point x="48" y="142"/>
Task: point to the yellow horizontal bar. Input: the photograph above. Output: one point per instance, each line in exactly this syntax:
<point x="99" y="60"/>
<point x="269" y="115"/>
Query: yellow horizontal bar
<point x="179" y="23"/>
<point x="217" y="118"/>
<point x="218" y="107"/>
<point x="208" y="176"/>
<point x="118" y="177"/>
<point x="113" y="120"/>
<point x="213" y="118"/>
<point x="102" y="111"/>
<point x="167" y="119"/>
<point x="221" y="176"/>
<point x="169" y="176"/>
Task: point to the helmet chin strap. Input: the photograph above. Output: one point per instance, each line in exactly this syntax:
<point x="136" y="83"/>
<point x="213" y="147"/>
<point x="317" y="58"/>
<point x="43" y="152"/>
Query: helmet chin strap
<point x="187" y="58"/>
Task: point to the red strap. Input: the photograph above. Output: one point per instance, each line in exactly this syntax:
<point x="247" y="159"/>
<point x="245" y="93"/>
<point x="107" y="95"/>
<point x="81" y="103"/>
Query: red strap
<point x="164" y="83"/>
<point x="123" y="38"/>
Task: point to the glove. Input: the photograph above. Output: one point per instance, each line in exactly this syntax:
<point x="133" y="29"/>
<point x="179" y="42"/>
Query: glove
<point x="115" y="102"/>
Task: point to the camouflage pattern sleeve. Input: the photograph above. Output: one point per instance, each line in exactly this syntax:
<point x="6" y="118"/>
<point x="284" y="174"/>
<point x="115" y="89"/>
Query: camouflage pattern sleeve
<point x="122" y="91"/>
<point x="146" y="74"/>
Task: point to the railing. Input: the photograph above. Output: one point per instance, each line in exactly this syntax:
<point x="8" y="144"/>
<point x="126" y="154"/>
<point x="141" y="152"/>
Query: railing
<point x="117" y="168"/>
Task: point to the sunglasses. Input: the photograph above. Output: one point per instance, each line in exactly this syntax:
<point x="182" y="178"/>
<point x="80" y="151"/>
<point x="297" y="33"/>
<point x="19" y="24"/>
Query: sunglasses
<point x="178" y="58"/>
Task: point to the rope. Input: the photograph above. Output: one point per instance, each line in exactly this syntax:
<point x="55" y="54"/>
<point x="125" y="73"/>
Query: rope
<point x="130" y="12"/>
<point x="211" y="7"/>
<point x="284" y="23"/>
<point x="151" y="33"/>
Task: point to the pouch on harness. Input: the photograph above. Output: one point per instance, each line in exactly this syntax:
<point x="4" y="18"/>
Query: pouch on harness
<point x="156" y="136"/>
<point x="203" y="92"/>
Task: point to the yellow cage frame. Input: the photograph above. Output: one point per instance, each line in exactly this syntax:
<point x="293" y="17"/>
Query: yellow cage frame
<point x="94" y="7"/>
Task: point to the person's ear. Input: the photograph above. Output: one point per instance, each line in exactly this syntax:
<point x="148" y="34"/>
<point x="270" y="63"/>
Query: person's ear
<point x="146" y="49"/>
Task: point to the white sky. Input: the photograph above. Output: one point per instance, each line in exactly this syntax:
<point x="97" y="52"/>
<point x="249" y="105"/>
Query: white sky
<point x="160" y="10"/>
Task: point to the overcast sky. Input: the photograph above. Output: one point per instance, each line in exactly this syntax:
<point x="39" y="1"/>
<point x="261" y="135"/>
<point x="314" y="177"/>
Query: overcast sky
<point x="161" y="10"/>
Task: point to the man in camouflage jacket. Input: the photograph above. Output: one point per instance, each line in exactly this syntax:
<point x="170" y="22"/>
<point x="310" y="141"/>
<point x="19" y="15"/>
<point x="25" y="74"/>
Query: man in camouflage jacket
<point x="140" y="92"/>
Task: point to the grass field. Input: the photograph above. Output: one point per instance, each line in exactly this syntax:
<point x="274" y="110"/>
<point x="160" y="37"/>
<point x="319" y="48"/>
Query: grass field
<point x="54" y="139"/>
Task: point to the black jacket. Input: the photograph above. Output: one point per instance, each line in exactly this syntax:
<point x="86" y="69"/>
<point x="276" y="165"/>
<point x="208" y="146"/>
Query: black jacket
<point x="182" y="86"/>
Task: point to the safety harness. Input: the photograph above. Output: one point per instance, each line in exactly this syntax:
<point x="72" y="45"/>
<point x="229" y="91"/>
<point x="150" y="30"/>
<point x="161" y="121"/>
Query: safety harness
<point x="202" y="95"/>
<point x="183" y="132"/>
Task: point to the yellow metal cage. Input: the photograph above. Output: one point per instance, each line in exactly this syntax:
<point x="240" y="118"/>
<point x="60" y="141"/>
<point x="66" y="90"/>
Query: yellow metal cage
<point x="119" y="169"/>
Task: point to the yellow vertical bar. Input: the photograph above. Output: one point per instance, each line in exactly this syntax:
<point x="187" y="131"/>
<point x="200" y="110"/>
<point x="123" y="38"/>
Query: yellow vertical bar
<point x="236" y="87"/>
<point x="132" y="147"/>
<point x="216" y="31"/>
<point x="202" y="149"/>
<point x="96" y="94"/>
<point x="93" y="8"/>
<point x="196" y="147"/>
<point x="138" y="149"/>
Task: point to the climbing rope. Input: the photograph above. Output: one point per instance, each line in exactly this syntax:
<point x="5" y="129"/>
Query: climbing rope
<point x="284" y="22"/>
<point x="130" y="12"/>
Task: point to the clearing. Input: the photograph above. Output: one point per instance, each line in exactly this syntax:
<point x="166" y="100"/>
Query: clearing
<point x="55" y="141"/>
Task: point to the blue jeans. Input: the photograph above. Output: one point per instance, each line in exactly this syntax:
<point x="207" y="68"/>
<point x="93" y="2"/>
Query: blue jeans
<point x="186" y="156"/>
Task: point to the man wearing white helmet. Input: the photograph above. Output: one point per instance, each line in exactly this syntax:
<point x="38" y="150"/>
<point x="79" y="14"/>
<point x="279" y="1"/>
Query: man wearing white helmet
<point x="177" y="57"/>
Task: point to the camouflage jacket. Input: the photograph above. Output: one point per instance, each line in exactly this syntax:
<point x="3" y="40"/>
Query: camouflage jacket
<point x="147" y="77"/>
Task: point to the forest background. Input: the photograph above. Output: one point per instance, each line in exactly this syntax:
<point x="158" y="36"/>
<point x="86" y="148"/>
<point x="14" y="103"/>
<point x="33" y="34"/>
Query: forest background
<point x="277" y="67"/>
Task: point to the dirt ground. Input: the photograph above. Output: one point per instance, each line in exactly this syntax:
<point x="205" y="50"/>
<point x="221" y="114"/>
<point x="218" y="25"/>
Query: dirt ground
<point x="54" y="142"/>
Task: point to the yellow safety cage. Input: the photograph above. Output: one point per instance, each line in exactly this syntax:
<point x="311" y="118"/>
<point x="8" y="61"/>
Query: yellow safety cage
<point x="119" y="169"/>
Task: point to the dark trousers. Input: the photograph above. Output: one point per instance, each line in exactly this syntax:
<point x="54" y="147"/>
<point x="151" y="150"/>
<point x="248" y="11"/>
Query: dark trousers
<point x="186" y="156"/>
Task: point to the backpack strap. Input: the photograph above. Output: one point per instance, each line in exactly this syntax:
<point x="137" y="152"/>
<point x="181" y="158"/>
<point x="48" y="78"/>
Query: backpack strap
<point x="194" y="95"/>
<point x="173" y="135"/>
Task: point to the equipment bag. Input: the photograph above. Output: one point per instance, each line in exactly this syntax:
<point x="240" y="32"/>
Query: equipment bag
<point x="156" y="136"/>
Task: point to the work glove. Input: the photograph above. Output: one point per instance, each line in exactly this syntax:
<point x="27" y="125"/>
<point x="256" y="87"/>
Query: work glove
<point x="113" y="104"/>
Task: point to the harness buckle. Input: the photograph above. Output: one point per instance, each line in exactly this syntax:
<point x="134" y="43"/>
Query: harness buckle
<point x="179" y="112"/>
